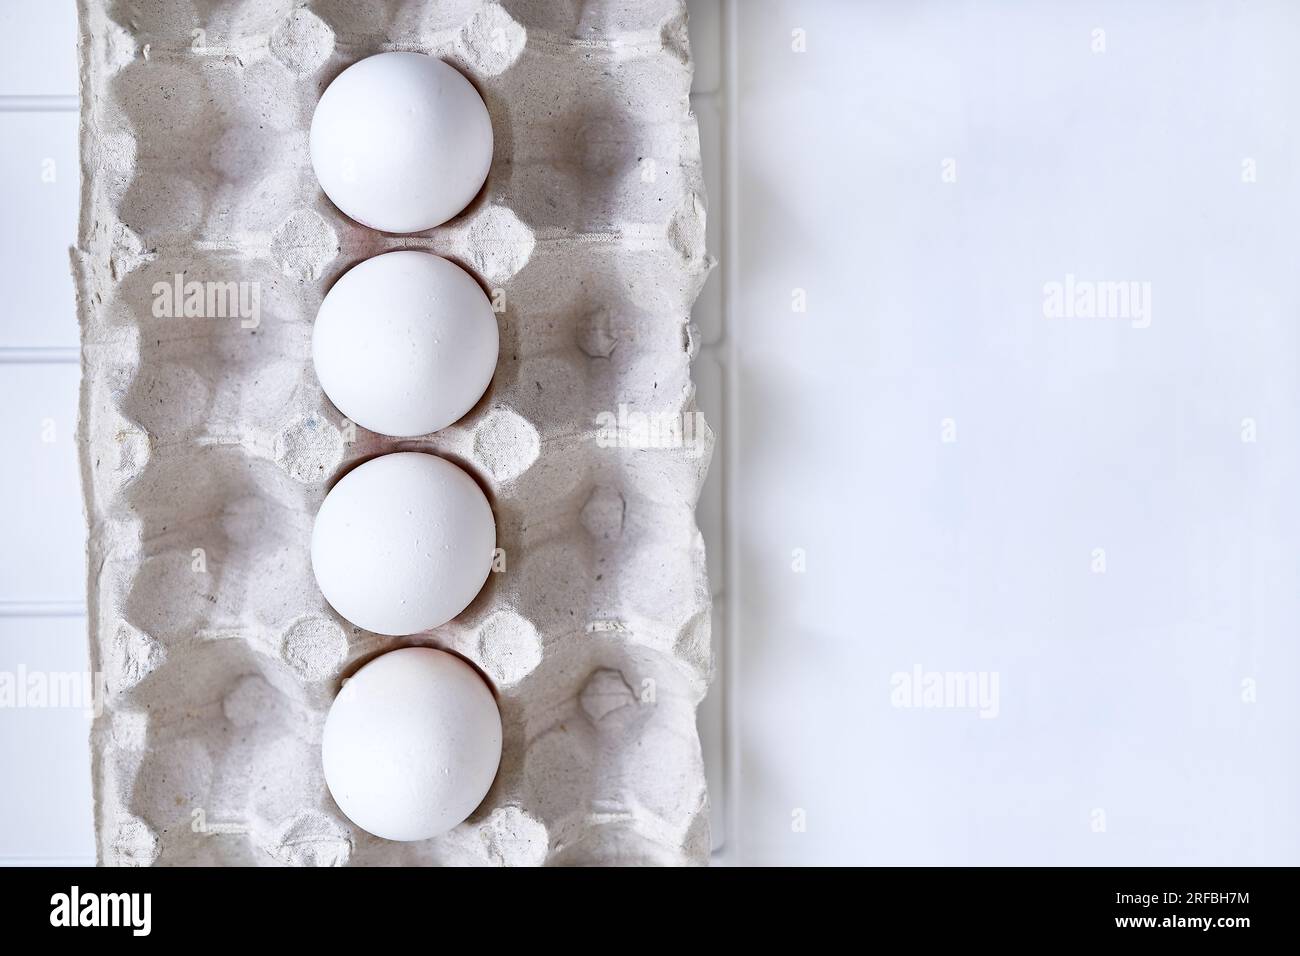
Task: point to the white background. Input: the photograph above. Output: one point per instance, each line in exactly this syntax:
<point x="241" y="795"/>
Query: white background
<point x="44" y="757"/>
<point x="1120" y="693"/>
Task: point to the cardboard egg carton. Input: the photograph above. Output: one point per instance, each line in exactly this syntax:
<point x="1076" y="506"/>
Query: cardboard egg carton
<point x="204" y="250"/>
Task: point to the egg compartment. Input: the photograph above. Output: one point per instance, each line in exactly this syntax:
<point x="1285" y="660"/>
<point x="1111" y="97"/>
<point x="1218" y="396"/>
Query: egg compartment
<point x="207" y="445"/>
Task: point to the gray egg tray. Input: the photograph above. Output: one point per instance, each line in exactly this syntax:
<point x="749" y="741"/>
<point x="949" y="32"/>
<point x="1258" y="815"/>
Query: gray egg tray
<point x="207" y="444"/>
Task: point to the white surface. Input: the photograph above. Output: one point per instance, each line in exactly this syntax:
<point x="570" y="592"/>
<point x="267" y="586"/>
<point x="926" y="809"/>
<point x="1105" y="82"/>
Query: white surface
<point x="38" y="186"/>
<point x="1122" y="736"/>
<point x="45" y="814"/>
<point x="38" y="48"/>
<point x="44" y="529"/>
<point x="405" y="343"/>
<point x="411" y="744"/>
<point x="45" y="808"/>
<point x="401" y="142"/>
<point x="403" y="543"/>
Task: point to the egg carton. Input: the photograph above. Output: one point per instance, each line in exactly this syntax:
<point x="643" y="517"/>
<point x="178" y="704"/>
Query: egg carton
<point x="207" y="444"/>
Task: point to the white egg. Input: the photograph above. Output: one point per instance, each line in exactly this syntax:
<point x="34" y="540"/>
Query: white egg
<point x="411" y="744"/>
<point x="403" y="543"/>
<point x="405" y="343"/>
<point x="401" y="142"/>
